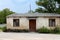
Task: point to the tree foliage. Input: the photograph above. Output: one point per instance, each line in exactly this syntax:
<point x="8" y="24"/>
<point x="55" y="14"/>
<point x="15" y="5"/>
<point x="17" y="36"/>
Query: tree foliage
<point x="3" y="15"/>
<point x="40" y="10"/>
<point x="49" y="6"/>
<point x="58" y="1"/>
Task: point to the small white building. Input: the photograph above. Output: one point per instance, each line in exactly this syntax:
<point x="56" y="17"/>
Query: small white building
<point x="32" y="21"/>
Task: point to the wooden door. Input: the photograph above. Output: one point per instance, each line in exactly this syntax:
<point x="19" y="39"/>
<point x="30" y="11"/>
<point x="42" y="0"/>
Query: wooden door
<point x="32" y="25"/>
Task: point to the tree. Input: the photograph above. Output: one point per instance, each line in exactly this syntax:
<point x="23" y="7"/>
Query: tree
<point x="49" y="6"/>
<point x="3" y="15"/>
<point x="58" y="1"/>
<point x="40" y="10"/>
<point x="58" y="10"/>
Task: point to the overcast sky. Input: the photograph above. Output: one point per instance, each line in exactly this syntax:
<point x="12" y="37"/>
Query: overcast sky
<point x="18" y="6"/>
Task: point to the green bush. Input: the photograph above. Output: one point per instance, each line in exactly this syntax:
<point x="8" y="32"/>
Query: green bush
<point x="17" y="30"/>
<point x="56" y="30"/>
<point x="3" y="28"/>
<point x="25" y="30"/>
<point x="44" y="30"/>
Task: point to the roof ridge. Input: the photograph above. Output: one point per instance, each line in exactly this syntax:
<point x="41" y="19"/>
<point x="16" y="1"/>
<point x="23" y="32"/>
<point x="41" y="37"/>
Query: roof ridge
<point x="35" y="14"/>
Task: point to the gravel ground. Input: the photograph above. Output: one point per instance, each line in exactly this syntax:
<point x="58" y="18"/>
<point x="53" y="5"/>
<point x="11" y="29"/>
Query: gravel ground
<point x="28" y="36"/>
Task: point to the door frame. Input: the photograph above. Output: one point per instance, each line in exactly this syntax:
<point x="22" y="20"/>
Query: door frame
<point x="33" y="30"/>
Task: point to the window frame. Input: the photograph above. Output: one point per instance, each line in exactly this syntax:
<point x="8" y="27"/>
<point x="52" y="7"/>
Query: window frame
<point x="52" y="22"/>
<point x="16" y="24"/>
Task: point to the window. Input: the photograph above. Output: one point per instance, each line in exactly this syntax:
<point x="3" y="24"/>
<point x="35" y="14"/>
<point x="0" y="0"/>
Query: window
<point x="51" y="22"/>
<point x="15" y="22"/>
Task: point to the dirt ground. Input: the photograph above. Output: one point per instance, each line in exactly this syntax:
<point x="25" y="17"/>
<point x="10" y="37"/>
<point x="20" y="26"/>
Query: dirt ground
<point x="28" y="36"/>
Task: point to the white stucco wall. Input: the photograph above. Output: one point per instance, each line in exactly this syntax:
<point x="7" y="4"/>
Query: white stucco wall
<point x="40" y="22"/>
<point x="57" y="21"/>
<point x="24" y="23"/>
<point x="9" y="22"/>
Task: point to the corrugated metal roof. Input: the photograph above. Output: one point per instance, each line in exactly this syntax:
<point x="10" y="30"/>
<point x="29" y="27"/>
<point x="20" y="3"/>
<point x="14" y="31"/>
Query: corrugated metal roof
<point x="33" y="14"/>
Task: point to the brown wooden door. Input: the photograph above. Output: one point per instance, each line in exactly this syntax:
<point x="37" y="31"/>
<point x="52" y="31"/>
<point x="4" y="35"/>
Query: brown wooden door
<point x="32" y="25"/>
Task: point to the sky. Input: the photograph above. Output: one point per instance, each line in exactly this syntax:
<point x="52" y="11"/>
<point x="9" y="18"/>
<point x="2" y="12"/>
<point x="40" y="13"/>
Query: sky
<point x="18" y="6"/>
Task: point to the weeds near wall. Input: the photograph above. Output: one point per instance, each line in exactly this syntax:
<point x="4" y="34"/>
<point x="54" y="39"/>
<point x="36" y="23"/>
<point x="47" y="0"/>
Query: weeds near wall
<point x="47" y="30"/>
